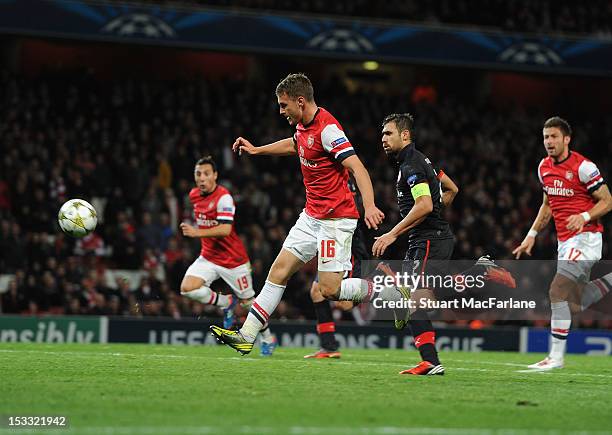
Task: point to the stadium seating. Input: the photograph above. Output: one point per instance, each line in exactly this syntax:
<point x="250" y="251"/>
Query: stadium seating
<point x="544" y="16"/>
<point x="130" y="147"/>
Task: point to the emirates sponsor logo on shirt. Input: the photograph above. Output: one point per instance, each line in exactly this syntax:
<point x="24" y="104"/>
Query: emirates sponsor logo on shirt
<point x="305" y="162"/>
<point x="557" y="189"/>
<point x="207" y="222"/>
<point x="308" y="163"/>
<point x="201" y="221"/>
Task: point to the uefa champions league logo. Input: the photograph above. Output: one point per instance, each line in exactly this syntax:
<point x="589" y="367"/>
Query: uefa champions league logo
<point x="530" y="53"/>
<point x="139" y="25"/>
<point x="341" y="40"/>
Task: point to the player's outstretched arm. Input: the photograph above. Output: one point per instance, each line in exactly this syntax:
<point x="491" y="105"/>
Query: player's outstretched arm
<point x="449" y="189"/>
<point x="602" y="207"/>
<point x="372" y="215"/>
<point x="283" y="147"/>
<point x="221" y="230"/>
<point x="540" y="222"/>
<point x="423" y="205"/>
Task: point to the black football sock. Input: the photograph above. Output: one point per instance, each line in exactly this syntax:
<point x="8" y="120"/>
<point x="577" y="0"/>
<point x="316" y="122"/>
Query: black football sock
<point x="325" y="325"/>
<point x="424" y="336"/>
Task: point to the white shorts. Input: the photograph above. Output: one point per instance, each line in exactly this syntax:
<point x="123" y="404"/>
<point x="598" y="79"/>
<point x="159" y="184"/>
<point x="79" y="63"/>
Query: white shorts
<point x="239" y="278"/>
<point x="577" y="256"/>
<point x="330" y="238"/>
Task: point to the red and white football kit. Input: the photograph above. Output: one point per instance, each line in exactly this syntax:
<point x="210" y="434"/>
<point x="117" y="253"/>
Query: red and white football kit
<point x="326" y="225"/>
<point x="568" y="185"/>
<point x="220" y="257"/>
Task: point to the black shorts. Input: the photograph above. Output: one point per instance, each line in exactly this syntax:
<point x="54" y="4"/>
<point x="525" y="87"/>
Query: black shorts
<point x="430" y="258"/>
<point x="359" y="254"/>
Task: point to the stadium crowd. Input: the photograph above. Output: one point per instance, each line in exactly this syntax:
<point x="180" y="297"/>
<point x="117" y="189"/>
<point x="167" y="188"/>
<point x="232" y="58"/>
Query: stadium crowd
<point x="592" y="18"/>
<point x="129" y="147"/>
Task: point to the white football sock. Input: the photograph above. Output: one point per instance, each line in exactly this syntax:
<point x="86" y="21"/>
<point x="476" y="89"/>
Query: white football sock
<point x="356" y="290"/>
<point x="206" y="296"/>
<point x="360" y="290"/>
<point x="259" y="314"/>
<point x="596" y="290"/>
<point x="560" y="323"/>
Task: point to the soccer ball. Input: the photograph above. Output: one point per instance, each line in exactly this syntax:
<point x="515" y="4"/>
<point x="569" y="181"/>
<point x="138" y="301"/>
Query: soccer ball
<point x="77" y="218"/>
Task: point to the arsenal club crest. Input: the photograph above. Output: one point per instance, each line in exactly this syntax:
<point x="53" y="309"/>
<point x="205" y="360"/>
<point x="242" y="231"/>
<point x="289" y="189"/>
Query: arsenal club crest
<point x="310" y="141"/>
<point x="569" y="175"/>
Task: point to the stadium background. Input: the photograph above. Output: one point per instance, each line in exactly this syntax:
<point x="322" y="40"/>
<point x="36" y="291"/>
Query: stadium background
<point x="114" y="101"/>
<point x="118" y="113"/>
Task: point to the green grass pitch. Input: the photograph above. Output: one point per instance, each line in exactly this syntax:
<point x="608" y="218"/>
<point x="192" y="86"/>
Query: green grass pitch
<point x="143" y="389"/>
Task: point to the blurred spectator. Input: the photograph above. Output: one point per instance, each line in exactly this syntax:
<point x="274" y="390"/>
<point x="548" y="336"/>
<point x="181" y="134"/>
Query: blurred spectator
<point x="13" y="301"/>
<point x="542" y="16"/>
<point x="114" y="152"/>
<point x="148" y="233"/>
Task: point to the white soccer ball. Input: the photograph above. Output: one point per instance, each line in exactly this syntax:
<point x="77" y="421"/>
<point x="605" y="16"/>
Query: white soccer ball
<point x="77" y="218"/>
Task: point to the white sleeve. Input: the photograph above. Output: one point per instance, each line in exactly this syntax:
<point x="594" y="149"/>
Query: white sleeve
<point x="226" y="209"/>
<point x="590" y="176"/>
<point x="336" y="143"/>
<point x="540" y="172"/>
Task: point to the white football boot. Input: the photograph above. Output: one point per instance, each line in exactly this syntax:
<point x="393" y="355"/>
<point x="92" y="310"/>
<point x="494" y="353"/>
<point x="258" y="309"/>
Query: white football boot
<point x="547" y="363"/>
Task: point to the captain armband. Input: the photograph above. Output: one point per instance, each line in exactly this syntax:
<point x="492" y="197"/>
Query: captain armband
<point x="420" y="189"/>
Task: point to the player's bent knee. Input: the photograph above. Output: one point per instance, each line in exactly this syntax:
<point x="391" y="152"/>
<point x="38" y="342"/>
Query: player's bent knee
<point x="561" y="288"/>
<point x="329" y="284"/>
<point x="187" y="288"/>
<point x="315" y="293"/>
<point x="345" y="305"/>
<point x="558" y="294"/>
<point x="191" y="283"/>
<point x="329" y="292"/>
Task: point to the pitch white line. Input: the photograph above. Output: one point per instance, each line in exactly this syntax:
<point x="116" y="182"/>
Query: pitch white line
<point x="90" y="354"/>
<point x="300" y="361"/>
<point x="487" y="362"/>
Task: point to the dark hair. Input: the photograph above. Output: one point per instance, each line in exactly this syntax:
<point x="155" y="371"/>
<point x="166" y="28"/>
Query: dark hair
<point x="403" y="121"/>
<point x="207" y="160"/>
<point x="296" y="85"/>
<point x="559" y="123"/>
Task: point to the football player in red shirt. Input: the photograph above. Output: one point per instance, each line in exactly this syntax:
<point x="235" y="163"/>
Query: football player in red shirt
<point x="325" y="227"/>
<point x="223" y="254"/>
<point x="576" y="197"/>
